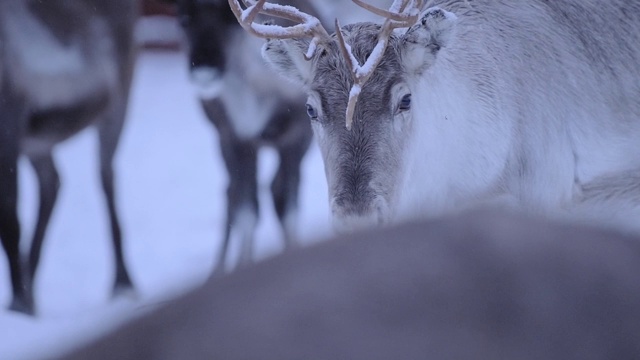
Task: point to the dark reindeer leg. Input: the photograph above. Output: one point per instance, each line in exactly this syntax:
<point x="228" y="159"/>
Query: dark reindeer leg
<point x="284" y="190"/>
<point x="219" y="268"/>
<point x="110" y="128"/>
<point x="9" y="223"/>
<point x="10" y="228"/>
<point x="240" y="159"/>
<point x="49" y="183"/>
<point x="242" y="198"/>
<point x="291" y="144"/>
<point x="109" y="135"/>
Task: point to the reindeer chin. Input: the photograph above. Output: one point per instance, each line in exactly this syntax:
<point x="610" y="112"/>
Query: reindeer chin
<point x="378" y="215"/>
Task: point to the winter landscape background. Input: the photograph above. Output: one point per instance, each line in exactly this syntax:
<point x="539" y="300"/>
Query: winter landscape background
<point x="171" y="186"/>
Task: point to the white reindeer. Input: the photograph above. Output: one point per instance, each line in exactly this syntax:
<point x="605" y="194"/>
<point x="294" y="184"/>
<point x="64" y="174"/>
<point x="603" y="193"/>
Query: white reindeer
<point x="537" y="102"/>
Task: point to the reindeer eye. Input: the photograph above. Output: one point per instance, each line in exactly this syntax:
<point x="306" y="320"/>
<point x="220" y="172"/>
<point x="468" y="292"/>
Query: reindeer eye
<point x="312" y="112"/>
<point x="405" y="103"/>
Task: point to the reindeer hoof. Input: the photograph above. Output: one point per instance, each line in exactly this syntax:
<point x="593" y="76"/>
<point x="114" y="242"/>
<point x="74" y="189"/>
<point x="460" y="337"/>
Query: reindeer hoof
<point x="124" y="290"/>
<point x="23" y="306"/>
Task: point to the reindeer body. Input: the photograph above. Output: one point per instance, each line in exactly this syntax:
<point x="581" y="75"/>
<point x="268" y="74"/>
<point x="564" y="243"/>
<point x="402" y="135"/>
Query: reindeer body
<point x="531" y="102"/>
<point x="546" y="99"/>
<point x="250" y="108"/>
<point x="483" y="284"/>
<point x="64" y="66"/>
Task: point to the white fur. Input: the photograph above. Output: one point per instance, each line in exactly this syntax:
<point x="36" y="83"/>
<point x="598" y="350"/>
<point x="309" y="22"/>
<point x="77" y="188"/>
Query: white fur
<point x="251" y="90"/>
<point x="208" y="82"/>
<point x="462" y="144"/>
<point x="249" y="111"/>
<point x="452" y="153"/>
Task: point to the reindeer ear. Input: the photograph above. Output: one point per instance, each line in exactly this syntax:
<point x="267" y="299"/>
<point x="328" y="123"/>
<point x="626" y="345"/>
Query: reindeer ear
<point x="422" y="42"/>
<point x="287" y="57"/>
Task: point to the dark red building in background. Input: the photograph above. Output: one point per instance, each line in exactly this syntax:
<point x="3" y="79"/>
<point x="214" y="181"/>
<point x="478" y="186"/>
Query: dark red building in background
<point x="158" y="28"/>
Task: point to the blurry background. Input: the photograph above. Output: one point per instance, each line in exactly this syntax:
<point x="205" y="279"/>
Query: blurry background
<point x="171" y="187"/>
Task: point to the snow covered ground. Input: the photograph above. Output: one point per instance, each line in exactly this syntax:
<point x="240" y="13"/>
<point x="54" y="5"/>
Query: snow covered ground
<point x="171" y="192"/>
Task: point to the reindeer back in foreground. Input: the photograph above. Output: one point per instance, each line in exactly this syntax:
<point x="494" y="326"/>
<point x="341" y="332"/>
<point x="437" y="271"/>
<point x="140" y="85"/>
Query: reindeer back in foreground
<point x="484" y="284"/>
<point x="473" y="101"/>
<point x="64" y="66"/>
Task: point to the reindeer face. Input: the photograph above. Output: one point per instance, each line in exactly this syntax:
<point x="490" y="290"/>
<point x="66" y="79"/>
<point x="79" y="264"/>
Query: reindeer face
<point x="362" y="141"/>
<point x="362" y="163"/>
<point x="207" y="24"/>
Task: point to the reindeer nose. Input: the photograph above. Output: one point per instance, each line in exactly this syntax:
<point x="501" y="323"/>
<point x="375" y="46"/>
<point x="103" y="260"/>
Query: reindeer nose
<point x="205" y="74"/>
<point x="348" y="218"/>
<point x="208" y="81"/>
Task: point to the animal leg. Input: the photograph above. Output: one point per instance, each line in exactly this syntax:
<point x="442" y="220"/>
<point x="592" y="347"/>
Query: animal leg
<point x="49" y="183"/>
<point x="10" y="227"/>
<point x="284" y="189"/>
<point x="109" y="134"/>
<point x="11" y="115"/>
<point x="242" y="199"/>
<point x="222" y="253"/>
<point x="245" y="223"/>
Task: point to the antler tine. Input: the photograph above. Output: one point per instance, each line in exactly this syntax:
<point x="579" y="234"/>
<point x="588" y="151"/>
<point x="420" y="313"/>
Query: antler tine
<point x="346" y="51"/>
<point x="254" y="11"/>
<point x="307" y="25"/>
<point x="400" y="16"/>
<point x="397" y="16"/>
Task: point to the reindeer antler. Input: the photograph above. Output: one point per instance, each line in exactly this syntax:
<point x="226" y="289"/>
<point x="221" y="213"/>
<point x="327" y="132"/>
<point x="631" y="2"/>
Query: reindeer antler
<point x="402" y="13"/>
<point x="307" y="25"/>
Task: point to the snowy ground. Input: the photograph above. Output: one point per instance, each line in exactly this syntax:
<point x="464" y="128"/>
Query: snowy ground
<point x="171" y="186"/>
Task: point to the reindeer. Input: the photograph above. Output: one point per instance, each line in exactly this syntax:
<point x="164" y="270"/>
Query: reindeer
<point x="449" y="103"/>
<point x="483" y="284"/>
<point x="63" y="67"/>
<point x="250" y="108"/>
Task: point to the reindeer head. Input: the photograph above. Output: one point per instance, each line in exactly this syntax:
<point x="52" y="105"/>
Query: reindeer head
<point x="208" y="25"/>
<point x="359" y="83"/>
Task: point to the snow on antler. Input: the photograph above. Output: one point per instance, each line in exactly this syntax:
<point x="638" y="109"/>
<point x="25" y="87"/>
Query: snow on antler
<point x="402" y="13"/>
<point x="307" y="25"/>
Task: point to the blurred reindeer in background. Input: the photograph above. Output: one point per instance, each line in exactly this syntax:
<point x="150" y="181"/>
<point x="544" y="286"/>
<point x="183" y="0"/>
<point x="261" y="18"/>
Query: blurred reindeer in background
<point x="251" y="107"/>
<point x="64" y="65"/>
